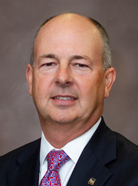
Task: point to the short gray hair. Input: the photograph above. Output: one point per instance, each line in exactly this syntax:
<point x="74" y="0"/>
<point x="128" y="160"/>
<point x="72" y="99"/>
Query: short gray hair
<point x="32" y="52"/>
<point x="107" y="60"/>
<point x="106" y="50"/>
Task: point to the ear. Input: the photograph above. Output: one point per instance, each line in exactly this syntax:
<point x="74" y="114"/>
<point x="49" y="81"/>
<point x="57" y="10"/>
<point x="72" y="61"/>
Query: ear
<point x="29" y="76"/>
<point x="110" y="76"/>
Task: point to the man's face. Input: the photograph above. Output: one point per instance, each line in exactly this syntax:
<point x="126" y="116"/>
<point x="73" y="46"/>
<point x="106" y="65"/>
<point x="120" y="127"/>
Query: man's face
<point x="67" y="81"/>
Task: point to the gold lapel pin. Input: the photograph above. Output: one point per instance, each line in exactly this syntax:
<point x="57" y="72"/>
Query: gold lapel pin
<point x="91" y="181"/>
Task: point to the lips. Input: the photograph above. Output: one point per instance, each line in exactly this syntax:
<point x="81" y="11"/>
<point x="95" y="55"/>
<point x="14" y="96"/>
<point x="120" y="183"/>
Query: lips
<point x="64" y="101"/>
<point x="64" y="98"/>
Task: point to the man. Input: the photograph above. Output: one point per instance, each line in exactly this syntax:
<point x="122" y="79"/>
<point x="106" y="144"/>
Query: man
<point x="69" y="77"/>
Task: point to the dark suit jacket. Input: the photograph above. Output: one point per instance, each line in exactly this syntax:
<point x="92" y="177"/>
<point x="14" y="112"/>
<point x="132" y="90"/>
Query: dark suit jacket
<point x="108" y="157"/>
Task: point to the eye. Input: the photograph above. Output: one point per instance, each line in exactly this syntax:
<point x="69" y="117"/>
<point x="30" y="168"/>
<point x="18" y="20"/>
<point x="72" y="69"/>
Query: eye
<point x="48" y="64"/>
<point x="81" y="65"/>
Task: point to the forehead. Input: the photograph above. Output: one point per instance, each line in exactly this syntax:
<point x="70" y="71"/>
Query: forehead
<point x="70" y="30"/>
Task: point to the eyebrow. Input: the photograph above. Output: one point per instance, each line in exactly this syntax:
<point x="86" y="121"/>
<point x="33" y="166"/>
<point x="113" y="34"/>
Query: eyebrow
<point x="79" y="57"/>
<point x="53" y="56"/>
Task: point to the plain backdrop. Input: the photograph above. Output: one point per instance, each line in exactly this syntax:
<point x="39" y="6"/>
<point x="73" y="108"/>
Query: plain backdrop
<point x="19" y="20"/>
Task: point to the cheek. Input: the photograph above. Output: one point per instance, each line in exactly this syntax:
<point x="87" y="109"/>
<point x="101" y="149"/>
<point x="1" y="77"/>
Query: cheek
<point x="40" y="85"/>
<point x="91" y="87"/>
<point x="86" y="88"/>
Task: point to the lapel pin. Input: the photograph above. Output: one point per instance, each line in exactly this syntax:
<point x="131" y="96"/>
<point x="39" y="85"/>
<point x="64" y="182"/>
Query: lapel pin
<point x="91" y="181"/>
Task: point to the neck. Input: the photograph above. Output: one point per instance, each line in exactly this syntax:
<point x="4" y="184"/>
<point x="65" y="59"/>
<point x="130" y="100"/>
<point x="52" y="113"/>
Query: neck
<point x="58" y="135"/>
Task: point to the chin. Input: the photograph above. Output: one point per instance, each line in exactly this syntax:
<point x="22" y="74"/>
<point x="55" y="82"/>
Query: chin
<point x="63" y="120"/>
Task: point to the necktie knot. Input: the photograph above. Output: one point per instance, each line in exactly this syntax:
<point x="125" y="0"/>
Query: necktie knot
<point x="56" y="159"/>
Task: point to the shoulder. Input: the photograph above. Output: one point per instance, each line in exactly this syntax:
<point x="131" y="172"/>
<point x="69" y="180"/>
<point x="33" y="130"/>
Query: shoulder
<point x="125" y="147"/>
<point x="122" y="143"/>
<point x="17" y="158"/>
<point x="10" y="158"/>
<point x="115" y="143"/>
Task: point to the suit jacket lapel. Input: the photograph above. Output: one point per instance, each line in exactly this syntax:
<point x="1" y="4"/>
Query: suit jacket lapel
<point x="27" y="171"/>
<point x="100" y="150"/>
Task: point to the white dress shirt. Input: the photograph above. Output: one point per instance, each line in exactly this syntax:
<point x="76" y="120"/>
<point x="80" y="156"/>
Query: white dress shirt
<point x="73" y="149"/>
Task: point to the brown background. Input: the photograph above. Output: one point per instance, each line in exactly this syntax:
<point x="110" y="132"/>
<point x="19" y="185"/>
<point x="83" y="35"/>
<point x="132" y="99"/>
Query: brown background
<point x="19" y="20"/>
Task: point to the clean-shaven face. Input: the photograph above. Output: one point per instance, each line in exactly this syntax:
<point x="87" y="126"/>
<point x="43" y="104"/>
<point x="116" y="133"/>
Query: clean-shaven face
<point x="68" y="81"/>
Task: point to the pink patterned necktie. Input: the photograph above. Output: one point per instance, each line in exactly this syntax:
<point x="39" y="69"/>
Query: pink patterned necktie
<point x="55" y="161"/>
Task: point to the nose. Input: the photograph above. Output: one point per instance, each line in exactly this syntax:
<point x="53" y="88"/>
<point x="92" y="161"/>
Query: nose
<point x="64" y="77"/>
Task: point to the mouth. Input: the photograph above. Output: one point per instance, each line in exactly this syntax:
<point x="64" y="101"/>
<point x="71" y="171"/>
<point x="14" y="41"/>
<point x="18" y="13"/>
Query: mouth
<point x="64" y="98"/>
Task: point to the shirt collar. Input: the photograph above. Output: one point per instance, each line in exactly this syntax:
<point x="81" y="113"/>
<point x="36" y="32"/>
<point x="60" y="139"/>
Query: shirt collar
<point x="72" y="149"/>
